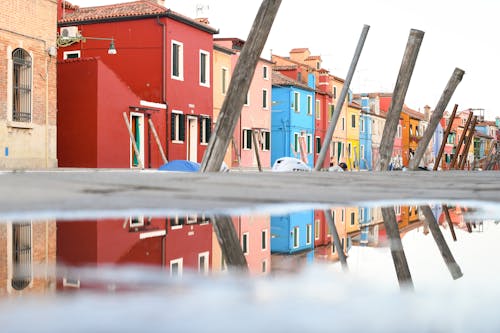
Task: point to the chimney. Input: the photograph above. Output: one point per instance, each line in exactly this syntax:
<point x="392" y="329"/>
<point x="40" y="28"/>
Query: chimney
<point x="158" y="2"/>
<point x="427" y="112"/>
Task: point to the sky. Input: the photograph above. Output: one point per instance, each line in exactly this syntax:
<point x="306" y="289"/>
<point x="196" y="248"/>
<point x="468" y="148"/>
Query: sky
<point x="458" y="34"/>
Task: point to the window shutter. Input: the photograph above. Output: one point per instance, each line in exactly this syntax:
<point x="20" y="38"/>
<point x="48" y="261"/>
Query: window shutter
<point x="182" y="127"/>
<point x="200" y="128"/>
<point x="172" y="126"/>
<point x="208" y="125"/>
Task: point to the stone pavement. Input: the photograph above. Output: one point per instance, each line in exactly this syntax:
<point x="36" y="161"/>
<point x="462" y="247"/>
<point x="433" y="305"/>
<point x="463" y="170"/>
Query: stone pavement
<point x="105" y="192"/>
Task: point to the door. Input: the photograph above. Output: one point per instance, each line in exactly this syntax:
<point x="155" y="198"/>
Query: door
<point x="137" y="124"/>
<point x="193" y="139"/>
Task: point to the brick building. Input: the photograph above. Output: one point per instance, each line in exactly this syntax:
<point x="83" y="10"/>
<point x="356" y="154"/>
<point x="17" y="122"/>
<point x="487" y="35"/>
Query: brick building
<point x="28" y="84"/>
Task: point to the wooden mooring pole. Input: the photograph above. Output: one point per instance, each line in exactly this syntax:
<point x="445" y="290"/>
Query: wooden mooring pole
<point x="256" y="149"/>
<point x="455" y="79"/>
<point x="343" y="94"/>
<point x="450" y="223"/>
<point x="405" y="72"/>
<point x="157" y="140"/>
<point x="470" y="138"/>
<point x="229" y="242"/>
<point x="238" y="86"/>
<point x="460" y="141"/>
<point x="336" y="239"/>
<point x="441" y="243"/>
<point x="445" y="138"/>
<point x="397" y="251"/>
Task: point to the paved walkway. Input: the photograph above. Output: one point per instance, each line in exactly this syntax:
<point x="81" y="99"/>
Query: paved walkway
<point x="86" y="192"/>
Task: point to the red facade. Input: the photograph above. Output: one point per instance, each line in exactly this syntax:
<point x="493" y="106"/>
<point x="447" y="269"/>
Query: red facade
<point x="95" y="91"/>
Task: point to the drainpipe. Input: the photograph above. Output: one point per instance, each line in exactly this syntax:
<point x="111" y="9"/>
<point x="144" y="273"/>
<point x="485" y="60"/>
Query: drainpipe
<point x="163" y="80"/>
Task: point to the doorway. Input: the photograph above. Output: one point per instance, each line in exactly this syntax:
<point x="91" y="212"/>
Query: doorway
<point x="137" y="125"/>
<point x="193" y="139"/>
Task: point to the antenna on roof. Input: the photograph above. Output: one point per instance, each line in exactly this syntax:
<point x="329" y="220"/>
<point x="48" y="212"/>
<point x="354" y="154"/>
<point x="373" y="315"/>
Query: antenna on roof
<point x="200" y="9"/>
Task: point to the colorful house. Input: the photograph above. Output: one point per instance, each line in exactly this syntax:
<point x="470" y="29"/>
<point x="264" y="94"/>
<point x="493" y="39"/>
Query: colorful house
<point x="352" y="135"/>
<point x="365" y="136"/>
<point x="292" y="118"/>
<point x="293" y="232"/>
<point x="156" y="74"/>
<point x="28" y="84"/>
<point x="412" y="132"/>
<point x="255" y="117"/>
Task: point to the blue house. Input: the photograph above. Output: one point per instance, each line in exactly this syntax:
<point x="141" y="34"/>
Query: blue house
<point x="365" y="135"/>
<point x="292" y="118"/>
<point x="293" y="232"/>
<point x="437" y="139"/>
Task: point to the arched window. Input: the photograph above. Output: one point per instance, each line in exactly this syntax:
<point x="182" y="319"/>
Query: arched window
<point x="21" y="88"/>
<point x="21" y="255"/>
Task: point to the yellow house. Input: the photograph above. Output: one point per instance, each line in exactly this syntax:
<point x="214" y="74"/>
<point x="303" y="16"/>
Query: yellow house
<point x="221" y="77"/>
<point x="352" y="135"/>
<point x="338" y="147"/>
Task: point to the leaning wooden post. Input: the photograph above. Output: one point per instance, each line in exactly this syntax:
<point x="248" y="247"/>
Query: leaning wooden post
<point x="132" y="140"/>
<point x="336" y="239"/>
<point x="460" y="141"/>
<point x="455" y="79"/>
<point x="238" y="86"/>
<point x="470" y="138"/>
<point x="441" y="243"/>
<point x="338" y="108"/>
<point x="397" y="251"/>
<point x="229" y="242"/>
<point x="445" y="137"/>
<point x="256" y="149"/>
<point x="157" y="139"/>
<point x="398" y="97"/>
<point x="450" y="223"/>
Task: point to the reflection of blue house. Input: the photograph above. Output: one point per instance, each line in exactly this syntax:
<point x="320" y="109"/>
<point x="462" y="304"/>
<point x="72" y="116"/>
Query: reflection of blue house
<point x="365" y="135"/>
<point x="292" y="117"/>
<point x="365" y="219"/>
<point x="292" y="232"/>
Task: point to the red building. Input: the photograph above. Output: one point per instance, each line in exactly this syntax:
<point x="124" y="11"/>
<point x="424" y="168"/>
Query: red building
<point x="160" y="77"/>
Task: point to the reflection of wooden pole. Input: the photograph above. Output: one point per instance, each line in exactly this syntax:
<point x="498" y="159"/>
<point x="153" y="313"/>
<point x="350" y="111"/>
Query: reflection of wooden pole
<point x="397" y="251"/>
<point x="470" y="138"/>
<point x="229" y="243"/>
<point x="460" y="141"/>
<point x="256" y="149"/>
<point x="336" y="239"/>
<point x="441" y="243"/>
<point x="450" y="223"/>
<point x="338" y="108"/>
<point x="157" y="139"/>
<point x="436" y="117"/>
<point x="238" y="86"/>
<point x="445" y="137"/>
<point x="398" y="97"/>
<point x="132" y="140"/>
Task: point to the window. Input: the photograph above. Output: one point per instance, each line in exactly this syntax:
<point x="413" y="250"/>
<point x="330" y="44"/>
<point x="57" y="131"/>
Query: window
<point x="318" y="145"/>
<point x="176" y="267"/>
<point x="264" y="99"/>
<point x="343" y="123"/>
<point x="244" y="241"/>
<point x="399" y="132"/>
<point x="361" y="214"/>
<point x="334" y="92"/>
<point x="136" y="221"/>
<point x="318" y="109"/>
<point x="331" y="109"/>
<point x="247" y="99"/>
<point x="203" y="263"/>
<point x="362" y="152"/>
<point x="265" y="72"/>
<point x="296" y="100"/>
<point x="343" y="215"/>
<point x="21" y="255"/>
<point x="309" y="143"/>
<point x="349" y="149"/>
<point x="177" y="222"/>
<point x="266" y="140"/>
<point x="317" y="229"/>
<point x="361" y="124"/>
<point x="178" y="128"/>
<point x="247" y="139"/>
<point x="224" y="80"/>
<point x="295" y="237"/>
<point x="397" y="210"/>
<point x="21" y="87"/>
<point x="177" y="60"/>
<point x="299" y="76"/>
<point x="296" y="142"/>
<point x="264" y="266"/>
<point x="411" y="129"/>
<point x="264" y="240"/>
<point x="309" y="105"/>
<point x="353" y="121"/>
<point x="204" y="68"/>
<point x="205" y="129"/>
<point x="353" y="218"/>
<point x="308" y="234"/>
<point x="71" y="55"/>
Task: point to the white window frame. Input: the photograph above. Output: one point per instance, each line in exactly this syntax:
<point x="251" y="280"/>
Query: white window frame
<point x="136" y="221"/>
<point x="205" y="267"/>
<point x="180" y="75"/>
<point x="265" y="72"/>
<point x="362" y="152"/>
<point x="318" y="109"/>
<point x="177" y="127"/>
<point x="353" y="123"/>
<point x="67" y="53"/>
<point x="317" y="228"/>
<point x="264" y="240"/>
<point x="309" y="105"/>
<point x="207" y="69"/>
<point x="296" y="238"/>
<point x="361" y="214"/>
<point x="245" y="243"/>
<point x="308" y="234"/>
<point x="309" y="144"/>
<point x="179" y="262"/>
<point x="224" y="80"/>
<point x="266" y="140"/>
<point x="203" y="128"/>
<point x="246" y="144"/>
<point x="296" y="142"/>
<point x="361" y="124"/>
<point x="296" y="101"/>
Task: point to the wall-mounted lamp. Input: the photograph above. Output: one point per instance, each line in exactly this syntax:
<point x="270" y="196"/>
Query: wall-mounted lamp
<point x="68" y="39"/>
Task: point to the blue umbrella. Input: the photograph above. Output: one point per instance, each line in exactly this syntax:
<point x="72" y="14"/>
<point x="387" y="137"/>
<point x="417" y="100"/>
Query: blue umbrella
<point x="180" y="165"/>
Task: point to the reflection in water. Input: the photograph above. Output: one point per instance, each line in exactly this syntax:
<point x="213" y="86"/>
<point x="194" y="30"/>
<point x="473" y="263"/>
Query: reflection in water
<point x="39" y="256"/>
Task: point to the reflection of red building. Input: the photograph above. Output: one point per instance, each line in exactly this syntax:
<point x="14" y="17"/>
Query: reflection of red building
<point x="177" y="244"/>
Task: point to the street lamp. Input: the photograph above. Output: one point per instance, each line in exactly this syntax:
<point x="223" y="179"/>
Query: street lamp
<point x="63" y="41"/>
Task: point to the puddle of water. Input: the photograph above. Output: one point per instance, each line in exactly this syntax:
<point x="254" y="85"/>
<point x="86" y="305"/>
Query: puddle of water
<point x="342" y="267"/>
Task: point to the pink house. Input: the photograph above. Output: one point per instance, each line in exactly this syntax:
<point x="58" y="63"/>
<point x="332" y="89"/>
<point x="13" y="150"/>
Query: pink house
<point x="255" y="115"/>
